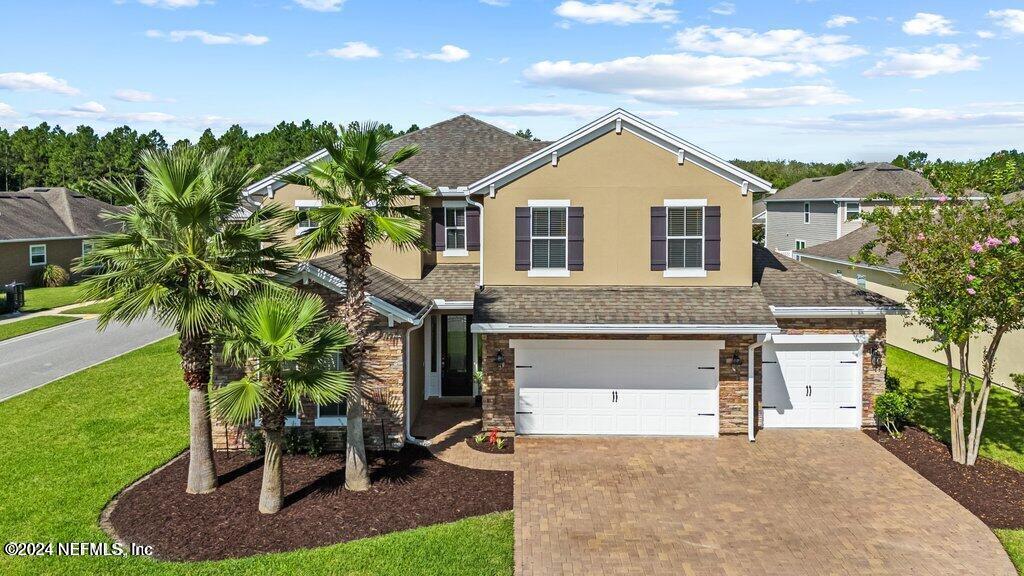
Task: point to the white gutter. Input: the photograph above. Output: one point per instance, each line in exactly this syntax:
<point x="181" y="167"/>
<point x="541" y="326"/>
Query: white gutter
<point x="481" y="207"/>
<point x="406" y="361"/>
<point x="501" y="327"/>
<point x="847" y="262"/>
<point x="834" y="311"/>
<point x="48" y="239"/>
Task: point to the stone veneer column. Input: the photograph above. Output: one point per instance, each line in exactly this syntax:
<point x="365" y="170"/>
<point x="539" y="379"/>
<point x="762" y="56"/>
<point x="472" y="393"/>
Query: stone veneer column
<point x="498" y="390"/>
<point x="732" y="385"/>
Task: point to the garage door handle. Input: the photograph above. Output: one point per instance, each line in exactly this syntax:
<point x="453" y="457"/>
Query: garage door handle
<point x="705" y="414"/>
<point x="517" y="412"/>
<point x="705" y="368"/>
<point x="518" y="366"/>
<point x="768" y="407"/>
<point x="849" y="407"/>
<point x="847" y="361"/>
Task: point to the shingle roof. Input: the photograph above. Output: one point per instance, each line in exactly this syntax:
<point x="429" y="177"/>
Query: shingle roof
<point x="621" y="305"/>
<point x="460" y="151"/>
<point x="383" y="285"/>
<point x="860" y="182"/>
<point x="52" y="213"/>
<point x="787" y="283"/>
<point x="848" y="246"/>
<point x="757" y="209"/>
<point x="452" y="282"/>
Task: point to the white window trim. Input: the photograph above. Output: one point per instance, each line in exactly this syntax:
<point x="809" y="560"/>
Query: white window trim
<point x="846" y="211"/>
<point x="797" y="241"/>
<point x="686" y="272"/>
<point x="300" y="204"/>
<point x="90" y="243"/>
<point x="549" y="272"/>
<point x="31" y="246"/>
<point x="807" y="212"/>
<point x="455" y="204"/>
<point x="329" y="420"/>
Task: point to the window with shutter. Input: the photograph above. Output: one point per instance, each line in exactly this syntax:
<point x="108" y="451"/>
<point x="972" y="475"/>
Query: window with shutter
<point x="685" y="238"/>
<point x="548" y="239"/>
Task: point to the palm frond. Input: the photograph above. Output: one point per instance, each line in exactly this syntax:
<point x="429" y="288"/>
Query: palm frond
<point x="238" y="402"/>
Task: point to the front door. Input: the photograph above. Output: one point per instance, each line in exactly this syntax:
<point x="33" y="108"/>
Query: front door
<point x="456" y="356"/>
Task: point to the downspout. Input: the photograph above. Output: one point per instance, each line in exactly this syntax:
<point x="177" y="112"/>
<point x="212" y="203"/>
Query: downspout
<point x="751" y="401"/>
<point x="406" y="361"/>
<point x="481" y="207"/>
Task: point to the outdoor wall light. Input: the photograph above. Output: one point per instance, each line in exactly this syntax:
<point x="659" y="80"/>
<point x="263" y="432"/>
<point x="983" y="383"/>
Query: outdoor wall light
<point x="499" y="358"/>
<point x="876" y="355"/>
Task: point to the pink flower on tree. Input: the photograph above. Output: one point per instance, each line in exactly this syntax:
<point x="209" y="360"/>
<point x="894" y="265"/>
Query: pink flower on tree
<point x="971" y="277"/>
<point x="992" y="242"/>
<point x="977" y="247"/>
<point x="1014" y="240"/>
<point x="920" y="236"/>
<point x="971" y="291"/>
<point x="972" y="262"/>
<point x="943" y="198"/>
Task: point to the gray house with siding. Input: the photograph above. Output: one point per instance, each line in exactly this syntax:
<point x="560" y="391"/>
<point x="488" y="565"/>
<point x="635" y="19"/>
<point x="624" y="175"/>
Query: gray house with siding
<point x="818" y="210"/>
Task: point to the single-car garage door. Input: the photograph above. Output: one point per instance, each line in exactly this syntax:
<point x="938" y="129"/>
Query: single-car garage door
<point x="811" y="385"/>
<point x="617" y="387"/>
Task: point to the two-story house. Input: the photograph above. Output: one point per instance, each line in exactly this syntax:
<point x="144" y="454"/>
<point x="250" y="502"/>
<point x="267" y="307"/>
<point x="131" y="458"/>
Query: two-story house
<point x="604" y="283"/>
<point x="818" y="210"/>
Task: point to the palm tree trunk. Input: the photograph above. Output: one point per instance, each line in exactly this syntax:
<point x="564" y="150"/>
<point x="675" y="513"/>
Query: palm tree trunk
<point x="272" y="489"/>
<point x="357" y="318"/>
<point x="195" y="363"/>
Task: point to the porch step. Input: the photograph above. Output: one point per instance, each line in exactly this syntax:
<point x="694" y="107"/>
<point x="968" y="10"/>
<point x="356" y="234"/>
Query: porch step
<point x="450" y="401"/>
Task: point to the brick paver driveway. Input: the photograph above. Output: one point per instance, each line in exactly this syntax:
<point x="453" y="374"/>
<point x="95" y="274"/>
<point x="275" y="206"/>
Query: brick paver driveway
<point x="794" y="503"/>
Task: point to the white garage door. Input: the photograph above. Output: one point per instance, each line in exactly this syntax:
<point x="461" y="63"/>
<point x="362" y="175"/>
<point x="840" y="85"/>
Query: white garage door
<point x="811" y="385"/>
<point x="617" y="387"/>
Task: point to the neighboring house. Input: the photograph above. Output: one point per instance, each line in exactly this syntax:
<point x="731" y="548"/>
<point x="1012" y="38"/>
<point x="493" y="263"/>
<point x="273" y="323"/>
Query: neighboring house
<point x="604" y="283"/>
<point x="837" y="258"/>
<point x="40" y="226"/>
<point x="818" y="210"/>
<point x="759" y="211"/>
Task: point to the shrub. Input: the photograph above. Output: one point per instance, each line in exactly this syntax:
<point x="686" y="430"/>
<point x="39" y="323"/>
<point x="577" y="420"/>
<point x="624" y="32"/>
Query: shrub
<point x="255" y="444"/>
<point x="316" y="443"/>
<point x="893" y="410"/>
<point x="293" y="442"/>
<point x="1018" y="388"/>
<point x="52" y="276"/>
<point x="892" y="383"/>
<point x="479" y="438"/>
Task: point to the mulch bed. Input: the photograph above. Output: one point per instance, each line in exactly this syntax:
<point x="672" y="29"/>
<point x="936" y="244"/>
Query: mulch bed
<point x="488" y="448"/>
<point x="994" y="492"/>
<point x="409" y="488"/>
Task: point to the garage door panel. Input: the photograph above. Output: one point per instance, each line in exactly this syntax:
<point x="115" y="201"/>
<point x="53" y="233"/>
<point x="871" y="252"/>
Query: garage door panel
<point x="812" y="385"/>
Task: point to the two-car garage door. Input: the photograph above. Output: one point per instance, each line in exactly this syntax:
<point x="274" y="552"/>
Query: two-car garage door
<point x="617" y="387"/>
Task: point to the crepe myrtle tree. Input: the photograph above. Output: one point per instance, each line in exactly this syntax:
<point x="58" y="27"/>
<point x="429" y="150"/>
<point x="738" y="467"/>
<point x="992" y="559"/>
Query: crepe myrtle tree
<point x="178" y="257"/>
<point x="285" y="335"/>
<point x="964" y="264"/>
<point x="365" y="201"/>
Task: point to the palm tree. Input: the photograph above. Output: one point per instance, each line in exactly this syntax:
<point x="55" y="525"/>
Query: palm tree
<point x="363" y="198"/>
<point x="177" y="258"/>
<point x="287" y="337"/>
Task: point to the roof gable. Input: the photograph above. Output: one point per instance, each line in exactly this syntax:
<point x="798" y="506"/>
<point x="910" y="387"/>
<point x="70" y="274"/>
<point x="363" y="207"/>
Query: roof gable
<point x="35" y="213"/>
<point x="858" y="183"/>
<point x="618" y="120"/>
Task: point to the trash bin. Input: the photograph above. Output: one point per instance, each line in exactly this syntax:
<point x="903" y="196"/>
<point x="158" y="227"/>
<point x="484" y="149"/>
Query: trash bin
<point x="13" y="297"/>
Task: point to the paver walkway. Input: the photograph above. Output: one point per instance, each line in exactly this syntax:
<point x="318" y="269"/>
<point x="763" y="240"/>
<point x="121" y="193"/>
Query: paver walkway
<point x="794" y="503"/>
<point x="446" y="427"/>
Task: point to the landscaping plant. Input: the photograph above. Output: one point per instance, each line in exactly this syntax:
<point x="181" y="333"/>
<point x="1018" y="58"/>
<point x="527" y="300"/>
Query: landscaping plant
<point x="315" y="443"/>
<point x="964" y="263"/>
<point x="1018" y="388"/>
<point x="893" y="410"/>
<point x="52" y="276"/>
<point x="254" y="443"/>
<point x="365" y="201"/>
<point x="178" y="258"/>
<point x="291" y="340"/>
<point x="293" y="442"/>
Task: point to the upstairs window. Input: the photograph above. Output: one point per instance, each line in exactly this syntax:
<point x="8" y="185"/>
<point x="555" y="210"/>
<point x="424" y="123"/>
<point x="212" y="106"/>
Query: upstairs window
<point x="455" y="228"/>
<point x="548" y="238"/>
<point x="807" y="212"/>
<point x="37" y="255"/>
<point x="304" y="218"/>
<point x="685" y="237"/>
<point x="800" y="244"/>
<point x="852" y="211"/>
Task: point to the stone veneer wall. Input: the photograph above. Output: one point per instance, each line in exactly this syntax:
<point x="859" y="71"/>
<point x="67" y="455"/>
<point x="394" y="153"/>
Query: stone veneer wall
<point x="498" y="387"/>
<point x="873" y="328"/>
<point x="383" y="401"/>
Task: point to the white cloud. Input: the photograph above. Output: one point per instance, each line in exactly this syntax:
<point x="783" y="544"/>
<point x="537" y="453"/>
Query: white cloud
<point x="20" y="81"/>
<point x="209" y="37"/>
<point x="840" y="21"/>
<point x="926" y="24"/>
<point x="321" y="5"/>
<point x="985" y="34"/>
<point x="90" y="107"/>
<point x="171" y="4"/>
<point x="132" y="95"/>
<point x="6" y="111"/>
<point x="619" y="12"/>
<point x="448" y="53"/>
<point x="498" y="3"/>
<point x="904" y="119"/>
<point x="537" y="109"/>
<point x="702" y="81"/>
<point x="723" y="9"/>
<point x="1012" y="20"/>
<point x="353" y="51"/>
<point x="785" y="44"/>
<point x="938" y="59"/>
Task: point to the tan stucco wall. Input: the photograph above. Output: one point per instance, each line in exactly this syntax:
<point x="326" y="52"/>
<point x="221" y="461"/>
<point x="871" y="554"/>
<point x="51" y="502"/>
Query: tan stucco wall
<point x="407" y="263"/>
<point x="617" y="178"/>
<point x="14" y="258"/>
<point x="1009" y="359"/>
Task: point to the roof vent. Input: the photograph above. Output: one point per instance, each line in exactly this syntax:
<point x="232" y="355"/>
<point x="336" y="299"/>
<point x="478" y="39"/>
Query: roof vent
<point x="889" y="169"/>
<point x="817" y="179"/>
<point x="859" y="168"/>
<point x="40" y="189"/>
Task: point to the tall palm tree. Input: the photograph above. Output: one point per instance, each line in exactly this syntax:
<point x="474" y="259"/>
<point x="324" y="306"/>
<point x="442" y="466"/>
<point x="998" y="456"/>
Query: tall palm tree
<point x="287" y="336"/>
<point x="177" y="258"/>
<point x="364" y="202"/>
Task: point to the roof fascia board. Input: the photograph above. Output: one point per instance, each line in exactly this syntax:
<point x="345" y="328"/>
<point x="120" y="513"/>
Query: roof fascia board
<point x="505" y="328"/>
<point x="306" y="271"/>
<point x="848" y="263"/>
<point x="857" y="199"/>
<point x="635" y="125"/>
<point x="274" y="183"/>
<point x="835" y="311"/>
<point x="48" y="239"/>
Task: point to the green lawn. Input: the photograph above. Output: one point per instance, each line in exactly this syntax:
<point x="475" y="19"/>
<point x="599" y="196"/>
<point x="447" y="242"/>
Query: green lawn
<point x="71" y="445"/>
<point x="94" y="308"/>
<point x="37" y="299"/>
<point x="1003" y="435"/>
<point x="29" y="325"/>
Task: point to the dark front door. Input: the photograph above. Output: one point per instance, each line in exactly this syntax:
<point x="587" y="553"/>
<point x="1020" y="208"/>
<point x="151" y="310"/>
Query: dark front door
<point x="456" y="356"/>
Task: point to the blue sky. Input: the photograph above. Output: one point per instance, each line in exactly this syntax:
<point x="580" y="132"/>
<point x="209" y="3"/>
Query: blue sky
<point x="811" y="80"/>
